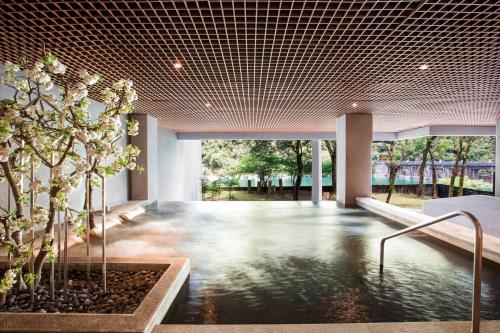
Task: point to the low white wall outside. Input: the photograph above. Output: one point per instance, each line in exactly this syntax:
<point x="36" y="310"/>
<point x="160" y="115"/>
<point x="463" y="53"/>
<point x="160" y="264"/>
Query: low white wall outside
<point x="485" y="208"/>
<point x="179" y="168"/>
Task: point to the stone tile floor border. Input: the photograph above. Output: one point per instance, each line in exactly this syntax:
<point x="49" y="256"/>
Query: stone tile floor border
<point x="489" y="326"/>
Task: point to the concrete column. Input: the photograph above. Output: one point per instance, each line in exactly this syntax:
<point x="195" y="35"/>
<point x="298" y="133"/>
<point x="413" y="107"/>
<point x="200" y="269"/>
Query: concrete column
<point x="354" y="149"/>
<point x="317" y="185"/>
<point x="497" y="161"/>
<point x="144" y="186"/>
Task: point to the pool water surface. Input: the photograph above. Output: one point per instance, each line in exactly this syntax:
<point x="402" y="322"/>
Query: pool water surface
<point x="299" y="262"/>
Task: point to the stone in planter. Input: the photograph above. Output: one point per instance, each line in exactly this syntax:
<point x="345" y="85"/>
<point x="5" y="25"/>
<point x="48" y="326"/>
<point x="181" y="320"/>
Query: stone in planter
<point x="149" y="313"/>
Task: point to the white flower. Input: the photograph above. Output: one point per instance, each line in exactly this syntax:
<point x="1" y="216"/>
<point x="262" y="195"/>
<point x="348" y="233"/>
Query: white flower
<point x="83" y="135"/>
<point x="21" y="85"/>
<point x="81" y="86"/>
<point x="131" y="165"/>
<point x="4" y="154"/>
<point x="118" y="122"/>
<point x="92" y="79"/>
<point x="65" y="185"/>
<point x="13" y="116"/>
<point x="89" y="79"/>
<point x="81" y="168"/>
<point x="57" y="171"/>
<point x="106" y="147"/>
<point x="49" y="85"/>
<point x="58" y="67"/>
<point x="43" y="78"/>
<point x="91" y="152"/>
<point x="82" y="73"/>
<point x="4" y="137"/>
<point x="116" y="166"/>
<point x="9" y="274"/>
<point x="31" y="111"/>
<point x="10" y="67"/>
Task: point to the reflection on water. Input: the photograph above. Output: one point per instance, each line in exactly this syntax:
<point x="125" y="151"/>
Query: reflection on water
<point x="296" y="262"/>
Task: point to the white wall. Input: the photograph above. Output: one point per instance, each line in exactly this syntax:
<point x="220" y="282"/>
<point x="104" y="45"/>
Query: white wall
<point x="179" y="168"/>
<point x="116" y="186"/>
<point x="497" y="160"/>
<point x="485" y="208"/>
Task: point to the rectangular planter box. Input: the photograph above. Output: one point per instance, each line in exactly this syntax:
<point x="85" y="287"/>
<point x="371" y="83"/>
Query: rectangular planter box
<point x="148" y="314"/>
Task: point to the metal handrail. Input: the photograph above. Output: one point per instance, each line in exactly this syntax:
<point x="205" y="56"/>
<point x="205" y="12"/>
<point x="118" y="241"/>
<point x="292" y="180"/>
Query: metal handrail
<point x="478" y="255"/>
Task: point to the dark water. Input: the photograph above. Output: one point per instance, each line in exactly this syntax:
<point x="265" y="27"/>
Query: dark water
<point x="287" y="262"/>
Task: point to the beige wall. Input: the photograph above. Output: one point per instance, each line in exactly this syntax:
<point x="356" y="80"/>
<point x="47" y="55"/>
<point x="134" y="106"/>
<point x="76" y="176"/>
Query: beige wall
<point x="354" y="140"/>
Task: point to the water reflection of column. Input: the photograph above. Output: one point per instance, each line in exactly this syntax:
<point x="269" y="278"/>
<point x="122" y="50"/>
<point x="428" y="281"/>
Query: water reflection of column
<point x="317" y="188"/>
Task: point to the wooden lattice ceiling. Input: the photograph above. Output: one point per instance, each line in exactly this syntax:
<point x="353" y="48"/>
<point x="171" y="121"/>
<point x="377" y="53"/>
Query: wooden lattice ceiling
<point x="278" y="65"/>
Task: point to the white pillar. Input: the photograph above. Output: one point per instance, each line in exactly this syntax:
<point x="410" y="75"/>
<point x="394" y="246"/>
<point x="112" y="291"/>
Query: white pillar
<point x="144" y="186"/>
<point x="317" y="185"/>
<point x="354" y="149"/>
<point x="497" y="161"/>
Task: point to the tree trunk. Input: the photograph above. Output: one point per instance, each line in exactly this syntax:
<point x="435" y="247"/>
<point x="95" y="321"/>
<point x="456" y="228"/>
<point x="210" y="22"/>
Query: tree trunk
<point x="296" y="187"/>
<point x="332" y="151"/>
<point x="262" y="187"/>
<point x="434" y="176"/>
<point x="49" y="230"/>
<point x="91" y="211"/>
<point x="392" y="180"/>
<point x="454" y="173"/>
<point x="462" y="177"/>
<point x="17" y="236"/>
<point x="300" y="169"/>
<point x="465" y="157"/>
<point x="421" y="170"/>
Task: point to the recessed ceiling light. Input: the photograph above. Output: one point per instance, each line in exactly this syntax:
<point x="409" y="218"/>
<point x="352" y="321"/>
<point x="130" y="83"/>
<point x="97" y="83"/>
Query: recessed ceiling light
<point x="423" y="67"/>
<point x="177" y="65"/>
<point x="208" y="105"/>
<point x="354" y="105"/>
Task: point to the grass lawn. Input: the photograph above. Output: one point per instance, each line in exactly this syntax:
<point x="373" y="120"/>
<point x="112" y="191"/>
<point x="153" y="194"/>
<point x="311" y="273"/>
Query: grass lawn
<point x="254" y="196"/>
<point x="402" y="200"/>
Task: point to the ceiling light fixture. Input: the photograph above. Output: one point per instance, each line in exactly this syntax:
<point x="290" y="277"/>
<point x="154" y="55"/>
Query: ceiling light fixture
<point x="423" y="67"/>
<point x="177" y="65"/>
<point x="354" y="105"/>
<point x="208" y="105"/>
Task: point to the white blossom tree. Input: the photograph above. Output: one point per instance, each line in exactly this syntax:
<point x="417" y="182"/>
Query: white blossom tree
<point x="47" y="124"/>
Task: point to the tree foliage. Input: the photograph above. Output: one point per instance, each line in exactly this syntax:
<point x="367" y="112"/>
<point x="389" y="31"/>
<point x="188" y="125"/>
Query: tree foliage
<point x="262" y="159"/>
